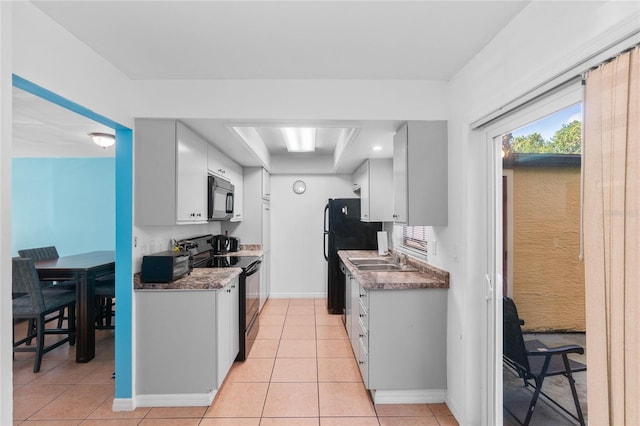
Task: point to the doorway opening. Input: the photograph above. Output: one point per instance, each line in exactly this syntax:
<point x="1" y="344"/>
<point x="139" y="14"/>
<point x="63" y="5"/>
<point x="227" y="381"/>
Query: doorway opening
<point x="542" y="266"/>
<point x="123" y="232"/>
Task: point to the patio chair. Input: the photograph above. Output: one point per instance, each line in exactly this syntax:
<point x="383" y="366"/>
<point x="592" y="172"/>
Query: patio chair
<point x="35" y="305"/>
<point x="533" y="362"/>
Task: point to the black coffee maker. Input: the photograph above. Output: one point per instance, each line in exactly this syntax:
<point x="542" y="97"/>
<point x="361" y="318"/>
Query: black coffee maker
<point x="220" y="244"/>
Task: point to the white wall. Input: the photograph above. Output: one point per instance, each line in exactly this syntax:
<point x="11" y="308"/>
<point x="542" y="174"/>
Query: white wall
<point x="513" y="63"/>
<point x="152" y="239"/>
<point x="298" y="268"/>
<point x="6" y="323"/>
<point x="51" y="57"/>
<point x="292" y="99"/>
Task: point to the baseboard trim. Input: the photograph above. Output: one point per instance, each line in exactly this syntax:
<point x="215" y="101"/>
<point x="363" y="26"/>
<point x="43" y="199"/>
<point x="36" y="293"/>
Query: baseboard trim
<point x="417" y="396"/>
<point x="298" y="295"/>
<point x="176" y="400"/>
<point x="123" y="404"/>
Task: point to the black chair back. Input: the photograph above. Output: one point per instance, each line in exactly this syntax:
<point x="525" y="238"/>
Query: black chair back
<point x="40" y="253"/>
<point x="25" y="280"/>
<point x="513" y="342"/>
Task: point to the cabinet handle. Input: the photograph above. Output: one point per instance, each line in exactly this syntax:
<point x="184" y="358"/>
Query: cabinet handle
<point x="361" y="335"/>
<point x="361" y="362"/>
<point x="362" y="316"/>
<point x="362" y="295"/>
<point x="395" y="216"/>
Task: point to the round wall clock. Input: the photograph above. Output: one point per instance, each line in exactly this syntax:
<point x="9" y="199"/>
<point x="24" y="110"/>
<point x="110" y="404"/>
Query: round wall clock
<point x="299" y="187"/>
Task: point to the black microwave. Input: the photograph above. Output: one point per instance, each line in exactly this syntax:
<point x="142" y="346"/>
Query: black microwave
<point x="165" y="266"/>
<point x="220" y="198"/>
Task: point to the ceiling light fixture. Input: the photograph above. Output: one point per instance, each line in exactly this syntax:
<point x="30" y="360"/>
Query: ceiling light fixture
<point x="377" y="148"/>
<point x="299" y="139"/>
<point x="104" y="140"/>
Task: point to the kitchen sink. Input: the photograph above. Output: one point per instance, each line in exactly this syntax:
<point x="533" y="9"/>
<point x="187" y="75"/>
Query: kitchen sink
<point x="385" y="267"/>
<point x="370" y="261"/>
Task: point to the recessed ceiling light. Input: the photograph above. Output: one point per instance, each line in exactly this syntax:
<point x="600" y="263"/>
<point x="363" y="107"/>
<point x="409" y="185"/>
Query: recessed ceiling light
<point x="377" y="148"/>
<point x="299" y="139"/>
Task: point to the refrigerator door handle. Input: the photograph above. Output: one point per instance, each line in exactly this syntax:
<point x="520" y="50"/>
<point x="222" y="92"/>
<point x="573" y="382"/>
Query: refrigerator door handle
<point x="324" y="246"/>
<point x="325" y="224"/>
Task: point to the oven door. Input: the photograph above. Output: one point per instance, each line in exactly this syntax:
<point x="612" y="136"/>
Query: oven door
<point x="252" y="280"/>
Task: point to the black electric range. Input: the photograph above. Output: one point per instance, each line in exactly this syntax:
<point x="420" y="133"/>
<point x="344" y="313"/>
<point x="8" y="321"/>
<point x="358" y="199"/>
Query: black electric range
<point x="202" y="256"/>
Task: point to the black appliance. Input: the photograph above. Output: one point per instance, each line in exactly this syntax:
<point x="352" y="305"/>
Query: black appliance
<point x="220" y="198"/>
<point x="164" y="267"/>
<point x="220" y="244"/>
<point x="202" y="253"/>
<point x="343" y="230"/>
<point x="234" y="244"/>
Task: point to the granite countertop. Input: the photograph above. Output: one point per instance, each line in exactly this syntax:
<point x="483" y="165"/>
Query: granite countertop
<point x="199" y="279"/>
<point x="425" y="276"/>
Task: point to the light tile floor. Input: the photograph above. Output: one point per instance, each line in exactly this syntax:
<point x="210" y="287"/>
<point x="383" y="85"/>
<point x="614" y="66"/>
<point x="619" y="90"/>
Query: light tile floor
<point x="301" y="371"/>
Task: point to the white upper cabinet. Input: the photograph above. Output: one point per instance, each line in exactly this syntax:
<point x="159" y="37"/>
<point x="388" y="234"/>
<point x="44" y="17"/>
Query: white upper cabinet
<point x="170" y="174"/>
<point x="191" y="182"/>
<point x="420" y="177"/>
<point x="221" y="165"/>
<point x="374" y="180"/>
<point x="266" y="185"/>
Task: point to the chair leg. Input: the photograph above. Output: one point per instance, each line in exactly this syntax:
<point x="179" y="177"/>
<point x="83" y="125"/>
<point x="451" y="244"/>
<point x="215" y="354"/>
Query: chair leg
<point x="539" y="379"/>
<point x="107" y="312"/>
<point x="31" y="329"/>
<point x="572" y="384"/>
<point x="71" y="324"/>
<point x="60" y="317"/>
<point x="39" y="343"/>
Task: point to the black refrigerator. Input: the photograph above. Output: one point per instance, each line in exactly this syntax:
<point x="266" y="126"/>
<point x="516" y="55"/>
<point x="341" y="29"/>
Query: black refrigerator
<point x="344" y="231"/>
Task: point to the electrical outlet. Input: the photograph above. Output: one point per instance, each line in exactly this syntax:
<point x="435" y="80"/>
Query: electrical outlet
<point x="135" y="241"/>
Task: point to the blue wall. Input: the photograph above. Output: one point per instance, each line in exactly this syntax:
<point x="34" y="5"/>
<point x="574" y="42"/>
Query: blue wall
<point x="66" y="202"/>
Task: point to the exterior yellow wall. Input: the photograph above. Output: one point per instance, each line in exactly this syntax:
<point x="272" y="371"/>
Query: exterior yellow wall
<point x="548" y="277"/>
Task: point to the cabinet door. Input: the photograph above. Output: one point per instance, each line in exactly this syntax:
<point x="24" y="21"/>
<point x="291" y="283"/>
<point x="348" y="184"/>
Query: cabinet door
<point x="380" y="188"/>
<point x="234" y="321"/>
<point x="227" y="328"/>
<point x="365" y="192"/>
<point x="348" y="308"/>
<point x="266" y="185"/>
<point x="235" y="176"/>
<point x="191" y="176"/>
<point x="217" y="162"/>
<point x="400" y="185"/>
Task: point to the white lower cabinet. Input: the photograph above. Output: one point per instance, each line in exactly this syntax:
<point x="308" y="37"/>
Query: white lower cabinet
<point x="399" y="340"/>
<point x="187" y="342"/>
<point x="228" y="329"/>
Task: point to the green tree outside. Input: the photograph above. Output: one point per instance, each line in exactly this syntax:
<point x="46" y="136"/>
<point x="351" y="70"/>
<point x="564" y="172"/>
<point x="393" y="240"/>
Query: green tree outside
<point x="567" y="140"/>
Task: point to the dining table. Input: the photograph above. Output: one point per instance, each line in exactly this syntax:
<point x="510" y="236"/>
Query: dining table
<point x="85" y="269"/>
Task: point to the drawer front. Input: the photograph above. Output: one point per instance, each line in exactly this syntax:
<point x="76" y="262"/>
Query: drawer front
<point x="364" y="298"/>
<point x="363" y="334"/>
<point x="363" y="363"/>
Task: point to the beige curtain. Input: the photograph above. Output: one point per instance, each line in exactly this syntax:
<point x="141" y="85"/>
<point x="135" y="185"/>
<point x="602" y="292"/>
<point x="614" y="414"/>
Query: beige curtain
<point x="612" y="240"/>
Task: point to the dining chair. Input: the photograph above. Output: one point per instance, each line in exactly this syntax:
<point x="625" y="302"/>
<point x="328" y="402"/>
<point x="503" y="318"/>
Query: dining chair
<point x="34" y="304"/>
<point x="105" y="291"/>
<point x="56" y="283"/>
